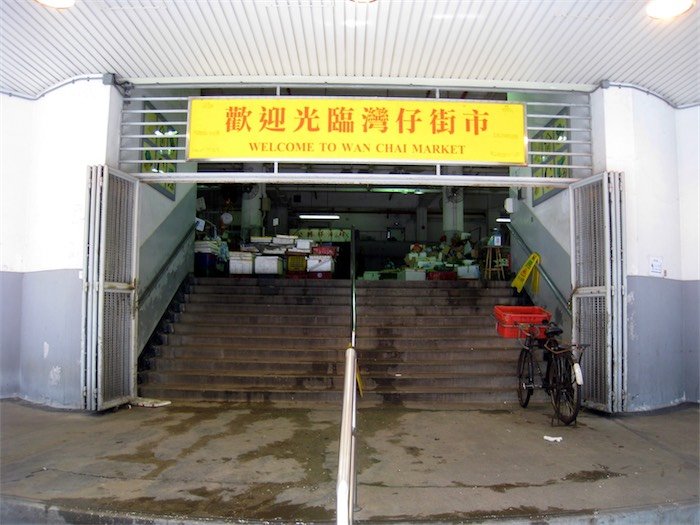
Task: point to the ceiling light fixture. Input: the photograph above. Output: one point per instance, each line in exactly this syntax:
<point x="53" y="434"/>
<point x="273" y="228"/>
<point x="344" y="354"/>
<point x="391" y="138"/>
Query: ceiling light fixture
<point x="668" y="9"/>
<point x="57" y="4"/>
<point x="318" y="217"/>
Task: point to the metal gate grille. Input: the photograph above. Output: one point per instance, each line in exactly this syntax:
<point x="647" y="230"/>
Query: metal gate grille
<point x="597" y="274"/>
<point x="591" y="330"/>
<point x="116" y="338"/>
<point x="109" y="317"/>
<point x="119" y="231"/>
<point x="590" y="236"/>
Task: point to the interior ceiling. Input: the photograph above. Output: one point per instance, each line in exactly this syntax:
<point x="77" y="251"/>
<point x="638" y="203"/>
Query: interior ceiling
<point x="515" y="44"/>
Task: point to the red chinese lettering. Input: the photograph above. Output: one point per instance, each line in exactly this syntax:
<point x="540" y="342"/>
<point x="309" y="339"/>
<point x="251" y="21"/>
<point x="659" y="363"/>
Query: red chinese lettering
<point x="407" y="120"/>
<point x="307" y="117"/>
<point x="340" y="120"/>
<point x="237" y="118"/>
<point x="476" y="122"/>
<point x="272" y="119"/>
<point x="375" y="118"/>
<point x="442" y="121"/>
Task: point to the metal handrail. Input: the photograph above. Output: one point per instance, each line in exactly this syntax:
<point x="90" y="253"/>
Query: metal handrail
<point x="346" y="486"/>
<point x="166" y="264"/>
<point x="557" y="293"/>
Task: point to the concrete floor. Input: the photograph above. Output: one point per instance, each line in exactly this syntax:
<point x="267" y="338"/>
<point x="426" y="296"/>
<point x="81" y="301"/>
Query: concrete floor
<point x="274" y="463"/>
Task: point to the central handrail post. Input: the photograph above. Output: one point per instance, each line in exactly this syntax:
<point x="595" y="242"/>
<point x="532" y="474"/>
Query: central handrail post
<point x="345" y="489"/>
<point x="353" y="286"/>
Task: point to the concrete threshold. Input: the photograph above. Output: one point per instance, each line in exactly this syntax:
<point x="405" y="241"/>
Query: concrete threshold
<point x="276" y="463"/>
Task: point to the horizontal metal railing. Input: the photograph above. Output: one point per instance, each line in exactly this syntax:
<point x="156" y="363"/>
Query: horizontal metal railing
<point x="155" y="129"/>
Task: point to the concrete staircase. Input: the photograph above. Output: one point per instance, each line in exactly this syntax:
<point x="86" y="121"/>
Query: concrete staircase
<point x="258" y="339"/>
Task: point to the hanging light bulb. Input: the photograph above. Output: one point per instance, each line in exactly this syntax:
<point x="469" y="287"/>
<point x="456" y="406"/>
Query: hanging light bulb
<point x="57" y="4"/>
<point x="667" y="9"/>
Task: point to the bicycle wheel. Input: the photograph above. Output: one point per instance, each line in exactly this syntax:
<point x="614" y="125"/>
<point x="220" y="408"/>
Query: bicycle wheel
<point x="525" y="377"/>
<point x="565" y="392"/>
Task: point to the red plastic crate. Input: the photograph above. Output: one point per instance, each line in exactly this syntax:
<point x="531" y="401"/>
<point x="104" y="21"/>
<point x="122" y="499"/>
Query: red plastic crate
<point x="441" y="276"/>
<point x="509" y="317"/>
<point x="325" y="250"/>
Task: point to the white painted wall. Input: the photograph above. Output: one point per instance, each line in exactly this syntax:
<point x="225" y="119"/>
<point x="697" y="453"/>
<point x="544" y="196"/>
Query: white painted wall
<point x="45" y="148"/>
<point x="688" y="135"/>
<point x="641" y="141"/>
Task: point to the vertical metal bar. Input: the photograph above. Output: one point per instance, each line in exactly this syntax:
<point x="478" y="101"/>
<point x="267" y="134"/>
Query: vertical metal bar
<point x="622" y="293"/>
<point x="84" y="304"/>
<point x="104" y="176"/>
<point x="134" y="241"/>
<point x="92" y="220"/>
<point x="617" y="295"/>
<point x="610" y="385"/>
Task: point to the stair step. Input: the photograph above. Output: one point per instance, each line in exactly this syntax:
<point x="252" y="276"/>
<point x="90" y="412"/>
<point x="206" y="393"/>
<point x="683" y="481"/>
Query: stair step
<point x="242" y="379"/>
<point x="293" y="300"/>
<point x="476" y="300"/>
<point x="267" y="309"/>
<point x="420" y="330"/>
<point x="306" y="366"/>
<point x="226" y="352"/>
<point x="270" y="289"/>
<point x="256" y="331"/>
<point x="267" y="280"/>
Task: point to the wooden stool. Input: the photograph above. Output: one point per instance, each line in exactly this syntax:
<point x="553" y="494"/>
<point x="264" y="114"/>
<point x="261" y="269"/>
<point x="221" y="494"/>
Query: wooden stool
<point x="493" y="263"/>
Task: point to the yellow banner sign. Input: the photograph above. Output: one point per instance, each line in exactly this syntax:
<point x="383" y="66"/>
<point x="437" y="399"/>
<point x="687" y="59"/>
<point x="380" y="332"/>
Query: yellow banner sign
<point x="356" y="130"/>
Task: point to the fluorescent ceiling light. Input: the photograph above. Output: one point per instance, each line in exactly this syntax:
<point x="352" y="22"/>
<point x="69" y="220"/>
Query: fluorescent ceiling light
<point x="318" y="216"/>
<point x="667" y="9"/>
<point x="57" y="4"/>
<point x="503" y="219"/>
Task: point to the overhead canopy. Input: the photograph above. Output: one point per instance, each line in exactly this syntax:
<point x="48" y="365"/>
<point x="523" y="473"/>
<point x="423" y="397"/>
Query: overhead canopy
<point x="549" y="44"/>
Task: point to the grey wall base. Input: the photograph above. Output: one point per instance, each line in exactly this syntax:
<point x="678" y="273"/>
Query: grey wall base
<point x="663" y="340"/>
<point x="10" y="334"/>
<point x="41" y="337"/>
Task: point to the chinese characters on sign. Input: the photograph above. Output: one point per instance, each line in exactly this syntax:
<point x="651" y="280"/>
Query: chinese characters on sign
<point x="368" y="130"/>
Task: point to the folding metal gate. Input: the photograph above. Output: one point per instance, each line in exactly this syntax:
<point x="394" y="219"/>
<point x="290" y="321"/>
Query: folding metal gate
<point x="598" y="279"/>
<point x="110" y="270"/>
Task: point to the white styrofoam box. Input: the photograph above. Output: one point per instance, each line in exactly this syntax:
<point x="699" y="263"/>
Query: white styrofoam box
<point x="411" y="275"/>
<point x="320" y="263"/>
<point x="468" y="272"/>
<point x="246" y="256"/>
<point x="304" y="244"/>
<point x="268" y="265"/>
<point x="240" y="266"/>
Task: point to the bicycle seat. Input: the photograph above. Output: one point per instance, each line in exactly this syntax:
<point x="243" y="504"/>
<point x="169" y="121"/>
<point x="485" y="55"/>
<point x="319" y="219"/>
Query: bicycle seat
<point x="553" y="330"/>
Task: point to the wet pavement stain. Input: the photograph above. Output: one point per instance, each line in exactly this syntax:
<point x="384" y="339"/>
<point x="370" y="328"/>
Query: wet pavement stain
<point x="145" y="455"/>
<point x="588" y="476"/>
<point x="533" y="514"/>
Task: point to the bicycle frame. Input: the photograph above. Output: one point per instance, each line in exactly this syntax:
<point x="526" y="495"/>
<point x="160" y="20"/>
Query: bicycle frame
<point x="563" y="377"/>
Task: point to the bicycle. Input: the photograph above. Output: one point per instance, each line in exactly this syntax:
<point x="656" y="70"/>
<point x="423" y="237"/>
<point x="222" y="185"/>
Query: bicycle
<point x="563" y="378"/>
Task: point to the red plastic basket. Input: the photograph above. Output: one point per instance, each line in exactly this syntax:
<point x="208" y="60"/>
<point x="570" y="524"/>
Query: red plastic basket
<point x="442" y="276"/>
<point x="325" y="250"/>
<point x="509" y="317"/>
